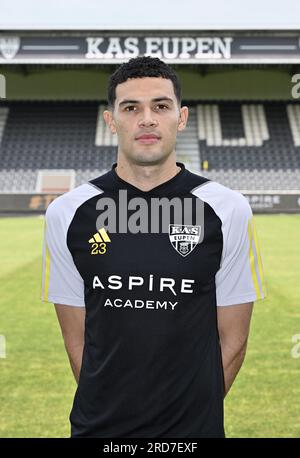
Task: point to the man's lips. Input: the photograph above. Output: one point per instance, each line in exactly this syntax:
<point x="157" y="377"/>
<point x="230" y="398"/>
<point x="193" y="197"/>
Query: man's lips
<point x="148" y="138"/>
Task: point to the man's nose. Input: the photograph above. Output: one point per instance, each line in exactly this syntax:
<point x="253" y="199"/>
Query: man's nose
<point x="147" y="118"/>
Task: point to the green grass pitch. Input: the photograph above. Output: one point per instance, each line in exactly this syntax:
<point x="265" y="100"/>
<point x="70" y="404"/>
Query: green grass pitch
<point x="36" y="384"/>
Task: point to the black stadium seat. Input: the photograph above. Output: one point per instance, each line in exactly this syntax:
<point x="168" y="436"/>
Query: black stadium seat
<point x="244" y="145"/>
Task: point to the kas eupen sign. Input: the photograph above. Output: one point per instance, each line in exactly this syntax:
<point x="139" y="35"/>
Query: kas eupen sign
<point x="175" y="49"/>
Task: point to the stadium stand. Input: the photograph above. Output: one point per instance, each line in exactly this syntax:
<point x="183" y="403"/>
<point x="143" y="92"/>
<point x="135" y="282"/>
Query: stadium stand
<point x="244" y="145"/>
<point x="251" y="146"/>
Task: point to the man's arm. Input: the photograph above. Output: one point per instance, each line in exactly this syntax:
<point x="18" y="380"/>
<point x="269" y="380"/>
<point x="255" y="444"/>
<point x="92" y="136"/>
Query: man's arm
<point x="233" y="326"/>
<point x="71" y="320"/>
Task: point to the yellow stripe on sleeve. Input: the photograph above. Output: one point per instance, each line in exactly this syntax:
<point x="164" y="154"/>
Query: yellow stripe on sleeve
<point x="252" y="262"/>
<point x="47" y="273"/>
<point x="259" y="260"/>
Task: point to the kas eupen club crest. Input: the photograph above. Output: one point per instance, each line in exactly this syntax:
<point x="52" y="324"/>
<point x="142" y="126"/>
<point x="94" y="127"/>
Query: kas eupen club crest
<point x="184" y="238"/>
<point x="9" y="46"/>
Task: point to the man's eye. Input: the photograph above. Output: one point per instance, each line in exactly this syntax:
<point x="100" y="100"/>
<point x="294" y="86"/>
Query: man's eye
<point x="161" y="106"/>
<point x="130" y="108"/>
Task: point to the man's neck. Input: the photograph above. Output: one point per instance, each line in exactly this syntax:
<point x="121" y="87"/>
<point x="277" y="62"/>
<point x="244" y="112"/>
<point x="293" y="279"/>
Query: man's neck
<point x="146" y="177"/>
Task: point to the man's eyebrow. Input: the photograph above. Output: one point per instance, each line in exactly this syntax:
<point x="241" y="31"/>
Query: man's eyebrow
<point x="128" y="101"/>
<point x="160" y="99"/>
<point x="156" y="99"/>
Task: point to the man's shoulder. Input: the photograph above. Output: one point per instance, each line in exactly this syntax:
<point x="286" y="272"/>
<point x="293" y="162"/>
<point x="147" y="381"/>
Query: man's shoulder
<point x="67" y="203"/>
<point x="221" y="197"/>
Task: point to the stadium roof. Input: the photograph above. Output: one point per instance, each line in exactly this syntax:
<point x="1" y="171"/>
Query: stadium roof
<point x="152" y="15"/>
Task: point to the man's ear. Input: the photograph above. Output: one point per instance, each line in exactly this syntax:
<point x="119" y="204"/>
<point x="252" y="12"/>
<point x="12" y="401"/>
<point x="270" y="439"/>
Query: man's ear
<point x="109" y="120"/>
<point x="183" y="117"/>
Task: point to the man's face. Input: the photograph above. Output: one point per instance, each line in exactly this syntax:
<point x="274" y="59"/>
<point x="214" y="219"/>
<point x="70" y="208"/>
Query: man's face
<point x="146" y="119"/>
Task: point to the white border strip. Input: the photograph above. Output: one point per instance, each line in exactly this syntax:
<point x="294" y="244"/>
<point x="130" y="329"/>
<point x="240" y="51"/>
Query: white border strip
<point x="295" y="191"/>
<point x="130" y="27"/>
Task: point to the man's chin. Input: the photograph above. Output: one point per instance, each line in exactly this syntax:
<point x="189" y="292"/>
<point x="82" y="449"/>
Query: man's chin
<point x="150" y="158"/>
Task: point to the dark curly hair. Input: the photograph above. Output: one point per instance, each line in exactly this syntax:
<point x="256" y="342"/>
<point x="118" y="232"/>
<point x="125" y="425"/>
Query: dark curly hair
<point x="141" y="67"/>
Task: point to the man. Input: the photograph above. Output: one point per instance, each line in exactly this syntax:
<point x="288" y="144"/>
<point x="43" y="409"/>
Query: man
<point x="155" y="322"/>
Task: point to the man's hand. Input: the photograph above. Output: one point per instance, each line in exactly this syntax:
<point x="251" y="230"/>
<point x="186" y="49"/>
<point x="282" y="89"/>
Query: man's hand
<point x="233" y="326"/>
<point x="71" y="320"/>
